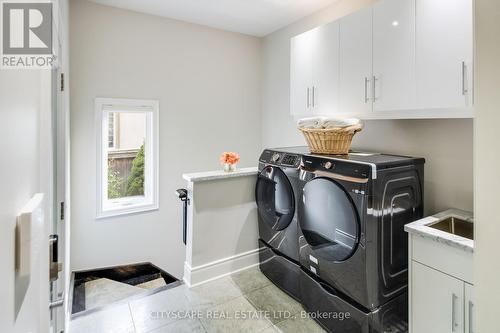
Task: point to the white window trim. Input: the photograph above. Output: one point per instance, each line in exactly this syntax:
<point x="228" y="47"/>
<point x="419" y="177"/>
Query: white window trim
<point x="114" y="133"/>
<point x="129" y="205"/>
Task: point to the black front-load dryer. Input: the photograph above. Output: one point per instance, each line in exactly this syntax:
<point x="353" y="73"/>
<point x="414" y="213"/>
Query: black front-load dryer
<point x="275" y="196"/>
<point x="352" y="246"/>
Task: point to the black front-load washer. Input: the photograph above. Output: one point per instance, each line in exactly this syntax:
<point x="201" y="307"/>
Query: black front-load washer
<point x="275" y="195"/>
<point x="352" y="246"/>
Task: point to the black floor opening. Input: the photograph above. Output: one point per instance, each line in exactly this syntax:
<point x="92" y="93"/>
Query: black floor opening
<point x="131" y="275"/>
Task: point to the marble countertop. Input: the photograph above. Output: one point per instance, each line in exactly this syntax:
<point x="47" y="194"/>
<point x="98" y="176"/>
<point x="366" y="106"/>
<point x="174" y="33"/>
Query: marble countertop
<point x="219" y="174"/>
<point x="421" y="228"/>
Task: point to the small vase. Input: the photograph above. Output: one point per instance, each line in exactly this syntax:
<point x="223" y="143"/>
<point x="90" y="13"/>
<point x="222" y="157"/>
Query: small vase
<point x="229" y="167"/>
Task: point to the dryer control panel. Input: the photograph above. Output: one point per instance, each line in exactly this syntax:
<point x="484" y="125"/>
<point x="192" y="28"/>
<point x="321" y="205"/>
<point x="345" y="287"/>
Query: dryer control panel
<point x="338" y="166"/>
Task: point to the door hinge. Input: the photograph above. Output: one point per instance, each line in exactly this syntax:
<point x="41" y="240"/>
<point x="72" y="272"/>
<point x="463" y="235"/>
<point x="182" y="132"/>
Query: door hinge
<point x="62" y="81"/>
<point x="62" y="210"/>
<point x="57" y="303"/>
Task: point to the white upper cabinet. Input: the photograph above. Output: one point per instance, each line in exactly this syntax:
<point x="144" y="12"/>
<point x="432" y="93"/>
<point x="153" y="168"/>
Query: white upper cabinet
<point x="314" y="71"/>
<point x="395" y="59"/>
<point x="394" y="55"/>
<point x="355" y="89"/>
<point x="444" y="53"/>
<point x="325" y="57"/>
<point x="301" y="74"/>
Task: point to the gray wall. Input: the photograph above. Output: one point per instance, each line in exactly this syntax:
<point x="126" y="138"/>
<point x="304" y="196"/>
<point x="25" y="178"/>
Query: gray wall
<point x="446" y="144"/>
<point x="487" y="159"/>
<point x="208" y="85"/>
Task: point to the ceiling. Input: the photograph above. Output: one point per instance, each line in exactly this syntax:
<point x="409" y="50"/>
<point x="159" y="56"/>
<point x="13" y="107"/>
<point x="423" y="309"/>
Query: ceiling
<point x="252" y="17"/>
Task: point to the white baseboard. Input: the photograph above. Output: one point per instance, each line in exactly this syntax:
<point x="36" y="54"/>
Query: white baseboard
<point x="197" y="275"/>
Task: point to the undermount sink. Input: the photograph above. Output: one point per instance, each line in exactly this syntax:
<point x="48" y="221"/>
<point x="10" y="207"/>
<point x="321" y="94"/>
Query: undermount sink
<point x="455" y="226"/>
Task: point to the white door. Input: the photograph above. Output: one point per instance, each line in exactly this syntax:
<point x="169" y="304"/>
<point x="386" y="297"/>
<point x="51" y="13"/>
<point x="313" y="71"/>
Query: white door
<point x="301" y="74"/>
<point x="325" y="66"/>
<point x="355" y="68"/>
<point x="394" y="55"/>
<point x="444" y="50"/>
<point x="436" y="301"/>
<point x="469" y="309"/>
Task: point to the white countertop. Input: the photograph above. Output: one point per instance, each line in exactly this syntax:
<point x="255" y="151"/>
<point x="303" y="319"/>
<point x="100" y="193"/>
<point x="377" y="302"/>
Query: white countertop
<point x="421" y="228"/>
<point x="219" y="174"/>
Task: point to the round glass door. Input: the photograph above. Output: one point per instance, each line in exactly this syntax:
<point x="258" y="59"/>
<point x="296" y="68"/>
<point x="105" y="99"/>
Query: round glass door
<point x="328" y="220"/>
<point x="274" y="197"/>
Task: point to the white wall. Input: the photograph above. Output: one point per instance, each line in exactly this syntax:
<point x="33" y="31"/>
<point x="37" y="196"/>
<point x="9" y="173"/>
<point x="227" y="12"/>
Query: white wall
<point x="222" y="228"/>
<point x="487" y="160"/>
<point x="446" y="144"/>
<point x="208" y="85"/>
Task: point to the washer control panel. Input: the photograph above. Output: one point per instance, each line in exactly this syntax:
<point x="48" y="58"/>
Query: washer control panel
<point x="276" y="157"/>
<point x="290" y="160"/>
<point x="280" y="158"/>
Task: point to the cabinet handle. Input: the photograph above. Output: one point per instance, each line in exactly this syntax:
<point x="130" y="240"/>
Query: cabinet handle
<point x="313" y="96"/>
<point x="471" y="326"/>
<point x="367" y="80"/>
<point x="453" y="314"/>
<point x="374" y="87"/>
<point x="464" y="75"/>
<point x="308" y="104"/>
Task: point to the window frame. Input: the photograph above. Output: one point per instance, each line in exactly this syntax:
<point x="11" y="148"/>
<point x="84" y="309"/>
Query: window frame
<point x="128" y="205"/>
<point x="115" y="132"/>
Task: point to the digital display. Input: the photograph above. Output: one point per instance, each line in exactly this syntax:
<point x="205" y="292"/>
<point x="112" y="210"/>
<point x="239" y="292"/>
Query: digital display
<point x="289" y="160"/>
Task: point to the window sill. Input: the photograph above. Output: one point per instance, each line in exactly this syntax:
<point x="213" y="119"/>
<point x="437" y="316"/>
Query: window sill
<point x="126" y="210"/>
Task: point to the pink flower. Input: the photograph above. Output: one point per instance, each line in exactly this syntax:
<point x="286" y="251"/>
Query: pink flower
<point x="229" y="158"/>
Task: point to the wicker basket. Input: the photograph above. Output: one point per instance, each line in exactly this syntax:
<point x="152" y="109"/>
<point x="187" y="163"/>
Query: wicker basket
<point x="334" y="141"/>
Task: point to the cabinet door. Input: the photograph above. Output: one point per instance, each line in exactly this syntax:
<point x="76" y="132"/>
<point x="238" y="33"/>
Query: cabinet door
<point x="394" y="55"/>
<point x="301" y="74"/>
<point x="356" y="62"/>
<point x="469" y="309"/>
<point x="436" y="301"/>
<point x="444" y="53"/>
<point x="325" y="65"/>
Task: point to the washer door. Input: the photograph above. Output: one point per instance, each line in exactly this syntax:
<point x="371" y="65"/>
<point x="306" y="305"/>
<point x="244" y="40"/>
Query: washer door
<point x="328" y="220"/>
<point x="275" y="199"/>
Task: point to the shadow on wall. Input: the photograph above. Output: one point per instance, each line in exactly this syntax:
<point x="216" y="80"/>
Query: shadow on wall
<point x="248" y="228"/>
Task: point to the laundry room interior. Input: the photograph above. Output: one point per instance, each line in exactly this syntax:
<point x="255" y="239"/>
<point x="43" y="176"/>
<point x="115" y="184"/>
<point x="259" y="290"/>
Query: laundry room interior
<point x="265" y="166"/>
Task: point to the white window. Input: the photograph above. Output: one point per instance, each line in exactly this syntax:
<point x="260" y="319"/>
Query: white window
<point x="127" y="146"/>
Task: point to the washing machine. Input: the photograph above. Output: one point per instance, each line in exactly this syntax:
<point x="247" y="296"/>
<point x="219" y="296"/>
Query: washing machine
<point x="275" y="196"/>
<point x="352" y="246"/>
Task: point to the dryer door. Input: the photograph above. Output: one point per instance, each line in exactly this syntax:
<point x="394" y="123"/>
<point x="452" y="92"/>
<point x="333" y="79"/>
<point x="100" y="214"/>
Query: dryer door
<point x="274" y="198"/>
<point x="329" y="220"/>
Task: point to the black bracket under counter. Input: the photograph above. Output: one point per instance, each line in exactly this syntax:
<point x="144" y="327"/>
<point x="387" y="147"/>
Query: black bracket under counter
<point x="182" y="194"/>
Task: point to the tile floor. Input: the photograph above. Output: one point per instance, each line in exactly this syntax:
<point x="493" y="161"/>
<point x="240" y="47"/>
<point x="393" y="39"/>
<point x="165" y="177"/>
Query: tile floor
<point x="102" y="292"/>
<point x="243" y="302"/>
